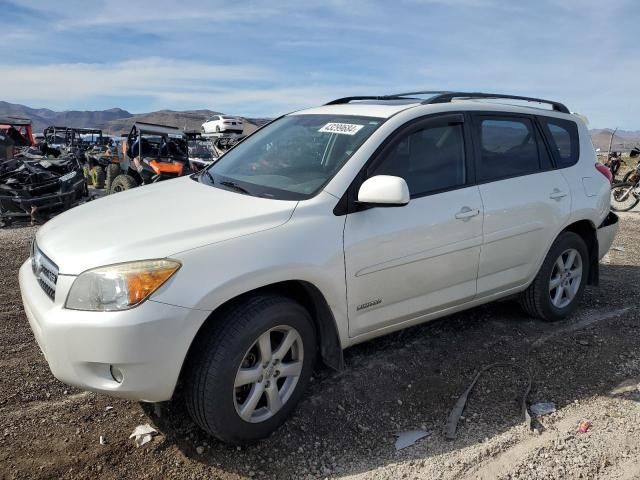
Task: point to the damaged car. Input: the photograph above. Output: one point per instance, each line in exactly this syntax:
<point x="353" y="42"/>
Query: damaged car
<point x="19" y="130"/>
<point x="201" y="150"/>
<point x="89" y="146"/>
<point x="33" y="186"/>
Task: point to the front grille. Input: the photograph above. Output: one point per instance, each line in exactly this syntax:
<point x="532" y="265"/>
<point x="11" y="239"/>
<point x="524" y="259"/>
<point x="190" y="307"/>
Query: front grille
<point x="45" y="270"/>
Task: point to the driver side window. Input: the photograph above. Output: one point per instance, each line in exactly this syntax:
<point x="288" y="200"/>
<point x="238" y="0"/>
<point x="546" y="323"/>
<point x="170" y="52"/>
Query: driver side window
<point x="431" y="159"/>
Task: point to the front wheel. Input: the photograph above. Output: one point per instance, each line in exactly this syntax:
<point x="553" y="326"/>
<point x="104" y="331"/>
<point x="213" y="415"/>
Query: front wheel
<point x="630" y="176"/>
<point x="557" y="289"/>
<point x="248" y="370"/>
<point x="123" y="182"/>
<point x="624" y="197"/>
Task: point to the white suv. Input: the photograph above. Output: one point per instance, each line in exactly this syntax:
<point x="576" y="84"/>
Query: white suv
<point x="325" y="228"/>
<point x="223" y="124"/>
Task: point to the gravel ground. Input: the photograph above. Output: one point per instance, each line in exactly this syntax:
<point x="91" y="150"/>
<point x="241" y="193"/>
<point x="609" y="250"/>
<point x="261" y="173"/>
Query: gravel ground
<point x="344" y="428"/>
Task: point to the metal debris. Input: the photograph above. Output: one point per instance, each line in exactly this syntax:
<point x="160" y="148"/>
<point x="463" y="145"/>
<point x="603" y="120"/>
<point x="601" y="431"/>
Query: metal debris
<point x="456" y="412"/>
<point x="408" y="438"/>
<point x="542" y="408"/>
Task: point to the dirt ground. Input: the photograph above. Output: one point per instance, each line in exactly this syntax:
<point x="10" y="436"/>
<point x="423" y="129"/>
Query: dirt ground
<point x="344" y="428"/>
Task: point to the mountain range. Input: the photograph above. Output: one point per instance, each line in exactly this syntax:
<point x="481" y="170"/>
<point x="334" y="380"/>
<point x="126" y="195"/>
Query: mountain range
<point x="623" y="140"/>
<point x="115" y="121"/>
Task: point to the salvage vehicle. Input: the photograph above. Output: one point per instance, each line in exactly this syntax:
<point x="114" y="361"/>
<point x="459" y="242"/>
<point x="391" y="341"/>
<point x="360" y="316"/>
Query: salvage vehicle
<point x="6" y="147"/>
<point x="36" y="187"/>
<point x="223" y="124"/>
<point x="151" y="153"/>
<point x="79" y="142"/>
<point x="19" y="130"/>
<point x="325" y="228"/>
<point x="201" y="150"/>
<point x="70" y="137"/>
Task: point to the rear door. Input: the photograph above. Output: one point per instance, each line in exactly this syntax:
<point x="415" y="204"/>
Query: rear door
<point x="526" y="201"/>
<point x="404" y="262"/>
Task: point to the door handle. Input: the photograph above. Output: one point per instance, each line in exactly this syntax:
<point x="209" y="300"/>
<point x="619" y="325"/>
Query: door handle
<point x="557" y="194"/>
<point x="466" y="213"/>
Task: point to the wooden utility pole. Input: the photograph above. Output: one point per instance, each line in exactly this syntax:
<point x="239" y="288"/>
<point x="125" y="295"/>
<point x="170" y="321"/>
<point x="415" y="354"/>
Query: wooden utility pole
<point x="611" y="141"/>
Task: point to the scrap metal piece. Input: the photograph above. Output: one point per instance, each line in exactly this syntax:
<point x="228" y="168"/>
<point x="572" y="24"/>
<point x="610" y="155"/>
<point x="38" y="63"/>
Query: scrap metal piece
<point x="408" y="438"/>
<point x="456" y="412"/>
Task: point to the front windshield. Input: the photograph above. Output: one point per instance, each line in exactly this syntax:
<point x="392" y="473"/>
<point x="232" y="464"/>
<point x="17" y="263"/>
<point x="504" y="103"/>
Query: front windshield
<point x="293" y="157"/>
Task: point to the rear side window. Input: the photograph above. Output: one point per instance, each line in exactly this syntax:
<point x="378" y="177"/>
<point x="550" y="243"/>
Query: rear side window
<point x="508" y="148"/>
<point x="563" y="139"/>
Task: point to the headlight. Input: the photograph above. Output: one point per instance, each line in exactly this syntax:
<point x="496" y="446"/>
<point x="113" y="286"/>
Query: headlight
<point x="119" y="287"/>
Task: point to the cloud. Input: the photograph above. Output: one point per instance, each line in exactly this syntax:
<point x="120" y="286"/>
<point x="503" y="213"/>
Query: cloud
<point x="247" y="89"/>
<point x="253" y="57"/>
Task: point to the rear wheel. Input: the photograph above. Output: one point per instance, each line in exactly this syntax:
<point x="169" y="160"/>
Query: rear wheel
<point x="247" y="372"/>
<point x="123" y="182"/>
<point x="557" y="289"/>
<point x="86" y="171"/>
<point x="624" y="197"/>
<point x="113" y="170"/>
<point x="98" y="176"/>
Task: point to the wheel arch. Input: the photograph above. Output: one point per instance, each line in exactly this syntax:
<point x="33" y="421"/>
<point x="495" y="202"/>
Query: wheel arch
<point x="587" y="230"/>
<point x="310" y="297"/>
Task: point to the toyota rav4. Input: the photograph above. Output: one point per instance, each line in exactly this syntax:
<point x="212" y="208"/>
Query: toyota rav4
<point x="327" y="227"/>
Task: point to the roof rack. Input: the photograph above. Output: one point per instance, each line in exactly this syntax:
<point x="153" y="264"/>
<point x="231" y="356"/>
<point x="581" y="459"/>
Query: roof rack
<point x="339" y="101"/>
<point x="446" y="97"/>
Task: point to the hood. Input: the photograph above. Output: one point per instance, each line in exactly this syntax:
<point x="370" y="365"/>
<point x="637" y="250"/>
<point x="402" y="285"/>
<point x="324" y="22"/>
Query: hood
<point x="155" y="221"/>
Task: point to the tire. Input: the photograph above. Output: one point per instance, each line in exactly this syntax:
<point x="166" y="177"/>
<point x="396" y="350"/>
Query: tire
<point x="123" y="182"/>
<point x="217" y="129"/>
<point x="623" y="198"/>
<point x="630" y="176"/>
<point x="98" y="176"/>
<point x="86" y="171"/>
<point x="537" y="300"/>
<point x="219" y="352"/>
<point x="113" y="170"/>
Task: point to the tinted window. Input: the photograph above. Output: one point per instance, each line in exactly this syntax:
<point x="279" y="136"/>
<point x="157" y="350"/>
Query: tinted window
<point x="508" y="148"/>
<point x="430" y="159"/>
<point x="563" y="139"/>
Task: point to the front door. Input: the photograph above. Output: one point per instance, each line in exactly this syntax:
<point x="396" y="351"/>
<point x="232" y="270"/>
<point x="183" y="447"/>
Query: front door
<point x="406" y="262"/>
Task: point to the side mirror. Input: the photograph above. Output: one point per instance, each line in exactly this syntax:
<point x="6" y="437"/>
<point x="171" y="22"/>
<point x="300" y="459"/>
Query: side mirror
<point x="384" y="191"/>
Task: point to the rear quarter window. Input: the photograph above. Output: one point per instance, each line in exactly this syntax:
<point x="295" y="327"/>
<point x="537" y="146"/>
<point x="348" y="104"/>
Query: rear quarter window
<point x="563" y="140"/>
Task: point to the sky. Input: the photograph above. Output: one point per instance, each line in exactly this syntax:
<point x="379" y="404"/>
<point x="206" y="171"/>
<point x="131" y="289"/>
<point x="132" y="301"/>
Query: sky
<point x="266" y="58"/>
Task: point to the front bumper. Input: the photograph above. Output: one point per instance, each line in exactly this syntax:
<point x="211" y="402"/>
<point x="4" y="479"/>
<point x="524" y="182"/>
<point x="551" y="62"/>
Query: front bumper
<point x="148" y="344"/>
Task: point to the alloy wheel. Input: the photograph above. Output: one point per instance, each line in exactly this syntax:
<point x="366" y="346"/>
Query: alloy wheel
<point x="268" y="374"/>
<point x="565" y="278"/>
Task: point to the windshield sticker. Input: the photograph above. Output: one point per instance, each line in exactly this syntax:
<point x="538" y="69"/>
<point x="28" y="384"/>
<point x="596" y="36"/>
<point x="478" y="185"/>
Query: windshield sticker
<point x="341" y="128"/>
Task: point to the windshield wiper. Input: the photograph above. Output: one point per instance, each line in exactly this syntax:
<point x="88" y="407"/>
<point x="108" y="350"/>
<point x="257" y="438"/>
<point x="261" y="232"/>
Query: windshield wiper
<point x="236" y="187"/>
<point x="208" y="174"/>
